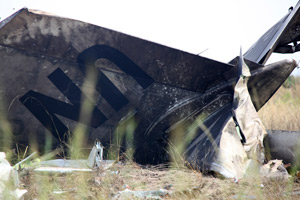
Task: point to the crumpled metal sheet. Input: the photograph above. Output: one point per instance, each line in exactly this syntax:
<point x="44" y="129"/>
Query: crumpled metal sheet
<point x="94" y="161"/>
<point x="239" y="136"/>
<point x="238" y="150"/>
<point x="202" y="149"/>
<point x="244" y="142"/>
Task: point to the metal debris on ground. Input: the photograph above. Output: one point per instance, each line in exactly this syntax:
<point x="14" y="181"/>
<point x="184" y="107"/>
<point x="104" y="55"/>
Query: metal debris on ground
<point x="95" y="160"/>
<point x="19" y="164"/>
<point x="274" y="169"/>
<point x="96" y="155"/>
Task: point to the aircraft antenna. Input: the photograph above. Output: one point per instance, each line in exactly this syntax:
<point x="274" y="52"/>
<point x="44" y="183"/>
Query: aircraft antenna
<point x="202" y="51"/>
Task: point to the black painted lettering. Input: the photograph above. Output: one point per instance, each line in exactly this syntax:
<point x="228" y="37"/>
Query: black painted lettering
<point x="44" y="107"/>
<point x="104" y="86"/>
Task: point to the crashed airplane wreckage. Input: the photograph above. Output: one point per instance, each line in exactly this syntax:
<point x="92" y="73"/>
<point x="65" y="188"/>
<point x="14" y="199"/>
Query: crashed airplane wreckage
<point x="52" y="66"/>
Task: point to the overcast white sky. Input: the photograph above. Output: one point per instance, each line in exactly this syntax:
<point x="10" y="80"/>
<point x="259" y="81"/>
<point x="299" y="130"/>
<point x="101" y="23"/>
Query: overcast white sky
<point x="221" y="26"/>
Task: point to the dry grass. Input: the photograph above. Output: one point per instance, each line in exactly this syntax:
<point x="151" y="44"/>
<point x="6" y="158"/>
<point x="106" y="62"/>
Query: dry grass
<point x="281" y="112"/>
<point x="104" y="184"/>
<point x="180" y="184"/>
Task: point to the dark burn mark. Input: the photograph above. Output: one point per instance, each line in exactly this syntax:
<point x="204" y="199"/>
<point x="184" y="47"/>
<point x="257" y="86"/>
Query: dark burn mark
<point x="44" y="108"/>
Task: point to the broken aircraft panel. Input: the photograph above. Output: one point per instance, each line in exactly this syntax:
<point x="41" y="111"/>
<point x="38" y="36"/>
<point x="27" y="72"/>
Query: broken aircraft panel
<point x="48" y="63"/>
<point x="283" y="37"/>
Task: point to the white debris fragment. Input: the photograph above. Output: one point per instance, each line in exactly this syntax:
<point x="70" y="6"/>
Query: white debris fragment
<point x="274" y="169"/>
<point x="96" y="155"/>
<point x="62" y="169"/>
<point x="129" y="194"/>
<point x="9" y="180"/>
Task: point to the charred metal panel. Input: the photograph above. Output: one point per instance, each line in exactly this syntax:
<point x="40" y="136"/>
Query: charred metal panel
<point x="270" y="78"/>
<point x="283" y="37"/>
<point x="67" y="39"/>
<point x="258" y="52"/>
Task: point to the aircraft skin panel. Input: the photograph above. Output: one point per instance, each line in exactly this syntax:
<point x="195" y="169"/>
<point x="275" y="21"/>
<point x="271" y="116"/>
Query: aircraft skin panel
<point x="67" y="39"/>
<point x="277" y="38"/>
<point x="257" y="51"/>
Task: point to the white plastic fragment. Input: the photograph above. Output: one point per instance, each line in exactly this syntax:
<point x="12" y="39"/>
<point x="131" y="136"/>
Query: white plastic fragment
<point x="9" y="180"/>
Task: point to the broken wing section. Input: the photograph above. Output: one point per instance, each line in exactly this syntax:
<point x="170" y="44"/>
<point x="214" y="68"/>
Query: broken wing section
<point x="283" y="37"/>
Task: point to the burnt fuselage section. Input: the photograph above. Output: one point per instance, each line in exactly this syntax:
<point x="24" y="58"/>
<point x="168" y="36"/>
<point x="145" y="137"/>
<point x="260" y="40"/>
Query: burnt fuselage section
<point x="59" y="73"/>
